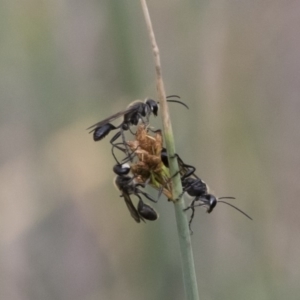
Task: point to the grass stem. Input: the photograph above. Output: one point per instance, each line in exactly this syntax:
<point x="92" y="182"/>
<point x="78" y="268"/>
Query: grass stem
<point x="187" y="259"/>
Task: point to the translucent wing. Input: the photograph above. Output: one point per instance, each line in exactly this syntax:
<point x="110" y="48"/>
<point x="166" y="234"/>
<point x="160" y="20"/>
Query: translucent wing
<point x="129" y="109"/>
<point x="133" y="211"/>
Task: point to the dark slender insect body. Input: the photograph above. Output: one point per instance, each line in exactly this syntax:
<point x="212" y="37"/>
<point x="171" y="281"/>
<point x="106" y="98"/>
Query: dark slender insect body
<point x="102" y="131"/>
<point x="209" y="201"/>
<point x="146" y="211"/>
<point x="197" y="188"/>
<point x="191" y="183"/>
<point x="136" y="111"/>
<point x="194" y="187"/>
<point x="127" y="185"/>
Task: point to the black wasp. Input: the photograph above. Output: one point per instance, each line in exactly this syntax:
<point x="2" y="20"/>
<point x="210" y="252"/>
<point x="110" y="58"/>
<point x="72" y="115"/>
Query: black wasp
<point x="191" y="183"/>
<point x="127" y="185"/>
<point x="209" y="201"/>
<point x="136" y="111"/>
<point x="197" y="188"/>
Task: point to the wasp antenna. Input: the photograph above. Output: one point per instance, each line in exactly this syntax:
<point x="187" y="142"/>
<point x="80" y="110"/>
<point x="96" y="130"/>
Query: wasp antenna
<point x="226" y="198"/>
<point x="177" y="101"/>
<point x="237" y="209"/>
<point x="173" y="96"/>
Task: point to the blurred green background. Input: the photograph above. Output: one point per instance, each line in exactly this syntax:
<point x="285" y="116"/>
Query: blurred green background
<point x="64" y="65"/>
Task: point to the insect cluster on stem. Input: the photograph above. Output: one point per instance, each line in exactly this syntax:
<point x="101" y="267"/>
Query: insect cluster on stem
<point x="145" y="162"/>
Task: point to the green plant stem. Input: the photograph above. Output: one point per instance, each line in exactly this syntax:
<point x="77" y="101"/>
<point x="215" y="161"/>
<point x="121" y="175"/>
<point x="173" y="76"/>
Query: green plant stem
<point x="187" y="259"/>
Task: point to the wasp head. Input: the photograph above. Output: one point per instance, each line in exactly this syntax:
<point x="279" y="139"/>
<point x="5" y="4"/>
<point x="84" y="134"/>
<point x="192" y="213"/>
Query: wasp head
<point x="210" y="201"/>
<point x="152" y="104"/>
<point x="121" y="169"/>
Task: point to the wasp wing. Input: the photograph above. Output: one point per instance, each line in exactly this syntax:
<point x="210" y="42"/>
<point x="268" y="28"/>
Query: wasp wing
<point x="133" y="211"/>
<point x="130" y="108"/>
